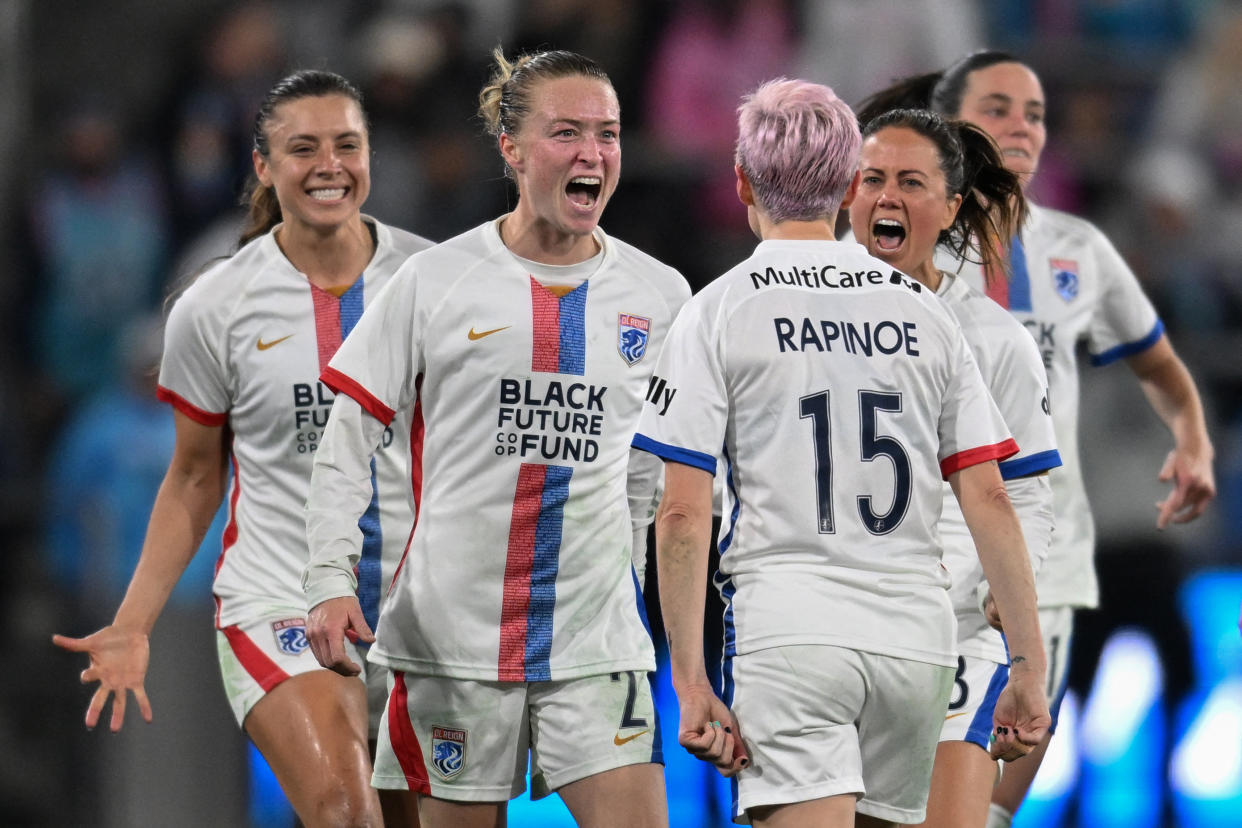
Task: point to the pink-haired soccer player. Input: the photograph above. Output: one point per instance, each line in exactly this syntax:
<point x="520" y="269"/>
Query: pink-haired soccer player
<point x="842" y="393"/>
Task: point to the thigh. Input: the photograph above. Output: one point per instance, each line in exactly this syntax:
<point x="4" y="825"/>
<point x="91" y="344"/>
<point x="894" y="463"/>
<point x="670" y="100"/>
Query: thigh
<point x="312" y="730"/>
<point x="586" y="726"/>
<point x="977" y="685"/>
<point x="796" y="709"/>
<point x="453" y="739"/>
<point x="961" y="786"/>
<point x="262" y="651"/>
<point x="898" y="733"/>
<point x="627" y="797"/>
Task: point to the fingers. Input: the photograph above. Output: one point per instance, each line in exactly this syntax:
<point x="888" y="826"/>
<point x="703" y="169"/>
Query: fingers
<point x="716" y="742"/>
<point x="1007" y="745"/>
<point x="144" y="704"/>
<point x="118" y="711"/>
<point x="73" y="645"/>
<point x="96" y="707"/>
<point x="358" y="623"/>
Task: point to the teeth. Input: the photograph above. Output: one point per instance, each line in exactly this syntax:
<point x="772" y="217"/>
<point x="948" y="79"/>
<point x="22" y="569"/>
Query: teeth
<point x="589" y="180"/>
<point x="886" y="222"/>
<point x="327" y="195"/>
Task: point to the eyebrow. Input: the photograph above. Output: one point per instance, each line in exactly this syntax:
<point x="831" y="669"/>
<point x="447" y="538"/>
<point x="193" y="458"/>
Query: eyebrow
<point x="1003" y="98"/>
<point x="898" y="173"/>
<point x="309" y="137"/>
<point x="579" y="123"/>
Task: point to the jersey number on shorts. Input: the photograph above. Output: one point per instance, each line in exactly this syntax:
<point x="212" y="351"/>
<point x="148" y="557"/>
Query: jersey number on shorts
<point x="631" y="694"/>
<point x="871" y="446"/>
<point x="963" y="690"/>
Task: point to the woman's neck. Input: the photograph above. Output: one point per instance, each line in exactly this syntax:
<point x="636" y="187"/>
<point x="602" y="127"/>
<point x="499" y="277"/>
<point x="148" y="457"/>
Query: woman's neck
<point x="538" y="241"/>
<point x="329" y="260"/>
<point x="928" y="275"/>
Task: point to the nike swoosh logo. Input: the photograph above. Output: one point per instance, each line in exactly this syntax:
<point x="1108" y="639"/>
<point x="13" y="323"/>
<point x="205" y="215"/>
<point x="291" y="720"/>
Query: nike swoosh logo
<point x="263" y="346"/>
<point x="473" y="335"/>
<point x="955" y="715"/>
<point x="620" y="740"/>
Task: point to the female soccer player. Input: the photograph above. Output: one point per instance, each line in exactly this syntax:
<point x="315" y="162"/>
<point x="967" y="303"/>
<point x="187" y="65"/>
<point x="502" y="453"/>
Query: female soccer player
<point x="925" y="181"/>
<point x="524" y="349"/>
<point x="244" y="347"/>
<point x="1068" y="284"/>
<point x="843" y="394"/>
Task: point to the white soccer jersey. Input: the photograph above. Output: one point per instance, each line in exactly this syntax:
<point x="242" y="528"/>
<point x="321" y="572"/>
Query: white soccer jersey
<point x="1014" y="373"/>
<point x="841" y="393"/>
<point x="525" y="397"/>
<point x="244" y="347"/>
<point x="1069" y="284"/>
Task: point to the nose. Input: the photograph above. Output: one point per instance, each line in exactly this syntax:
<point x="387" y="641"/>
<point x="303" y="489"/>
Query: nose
<point x="590" y="149"/>
<point x="327" y="160"/>
<point x="889" y="196"/>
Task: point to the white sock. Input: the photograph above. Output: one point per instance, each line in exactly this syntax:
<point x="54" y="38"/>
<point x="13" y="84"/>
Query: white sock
<point x="998" y="817"/>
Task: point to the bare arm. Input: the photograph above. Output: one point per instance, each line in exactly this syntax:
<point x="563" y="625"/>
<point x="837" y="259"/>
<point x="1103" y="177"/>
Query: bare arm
<point x="1173" y="396"/>
<point x="683" y="534"/>
<point x="187" y="501"/>
<point x="998" y="537"/>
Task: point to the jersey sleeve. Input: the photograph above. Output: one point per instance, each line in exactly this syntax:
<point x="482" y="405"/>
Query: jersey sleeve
<point x="971" y="429"/>
<point x="379" y="361"/>
<point x="193" y="370"/>
<point x="1020" y="390"/>
<point x="685" y="414"/>
<point x="1125" y="322"/>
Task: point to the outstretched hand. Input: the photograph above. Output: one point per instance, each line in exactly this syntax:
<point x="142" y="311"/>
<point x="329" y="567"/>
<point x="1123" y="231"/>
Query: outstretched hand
<point x="709" y="731"/>
<point x="119" y="660"/>
<point x="1194" y="486"/>
<point x="327" y="626"/>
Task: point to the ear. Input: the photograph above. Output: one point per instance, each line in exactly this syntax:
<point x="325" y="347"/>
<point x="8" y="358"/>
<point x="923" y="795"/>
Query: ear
<point x="510" y="151"/>
<point x="262" y="169"/>
<point x="744" y="193"/>
<point x="951" y="208"/>
<point x="851" y="192"/>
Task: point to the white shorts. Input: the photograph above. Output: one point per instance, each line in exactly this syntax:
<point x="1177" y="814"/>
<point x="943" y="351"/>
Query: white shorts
<point x="972" y="701"/>
<point x="821" y="721"/>
<point x="261" y="652"/>
<point x="466" y="740"/>
<point x="1057" y="626"/>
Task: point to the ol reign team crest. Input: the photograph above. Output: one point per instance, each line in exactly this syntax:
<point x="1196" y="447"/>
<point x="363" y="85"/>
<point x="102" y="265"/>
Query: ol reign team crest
<point x="291" y="635"/>
<point x="632" y="334"/>
<point x="1065" y="278"/>
<point x="448" y="750"/>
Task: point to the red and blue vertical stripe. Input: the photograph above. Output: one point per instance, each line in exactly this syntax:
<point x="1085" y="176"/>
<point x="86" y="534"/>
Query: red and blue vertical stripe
<point x="1013" y="293"/>
<point x="559" y="340"/>
<point x="335" y="317"/>
<point x="531" y="566"/>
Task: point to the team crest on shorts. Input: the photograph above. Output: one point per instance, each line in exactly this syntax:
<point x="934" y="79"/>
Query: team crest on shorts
<point x="1065" y="277"/>
<point x="291" y="635"/>
<point x="448" y="751"/>
<point x="632" y="333"/>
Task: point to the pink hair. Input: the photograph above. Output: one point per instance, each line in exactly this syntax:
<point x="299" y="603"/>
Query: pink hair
<point x="798" y="144"/>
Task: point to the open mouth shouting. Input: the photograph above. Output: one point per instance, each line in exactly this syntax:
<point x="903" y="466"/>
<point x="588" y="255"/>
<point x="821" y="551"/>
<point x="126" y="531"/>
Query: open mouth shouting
<point x="584" y="190"/>
<point x="889" y="234"/>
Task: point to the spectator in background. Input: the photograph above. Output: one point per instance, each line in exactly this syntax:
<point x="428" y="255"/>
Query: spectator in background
<point x="101" y="240"/>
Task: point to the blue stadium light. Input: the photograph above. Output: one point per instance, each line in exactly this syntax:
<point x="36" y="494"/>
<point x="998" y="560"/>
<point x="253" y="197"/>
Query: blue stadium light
<point x="1123" y="736"/>
<point x="1057" y="780"/>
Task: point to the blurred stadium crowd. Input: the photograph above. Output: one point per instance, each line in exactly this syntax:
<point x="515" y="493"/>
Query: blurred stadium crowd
<point x="126" y="144"/>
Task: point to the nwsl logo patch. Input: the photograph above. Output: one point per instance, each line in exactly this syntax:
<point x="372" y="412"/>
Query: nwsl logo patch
<point x="1065" y="277"/>
<point x="291" y="635"/>
<point x="632" y="333"/>
<point x="448" y="751"/>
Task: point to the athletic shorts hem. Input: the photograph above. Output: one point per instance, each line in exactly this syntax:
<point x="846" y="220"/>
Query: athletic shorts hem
<point x="792" y="796"/>
<point x="620" y="759"/>
<point x="902" y="816"/>
<point x="448" y="793"/>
